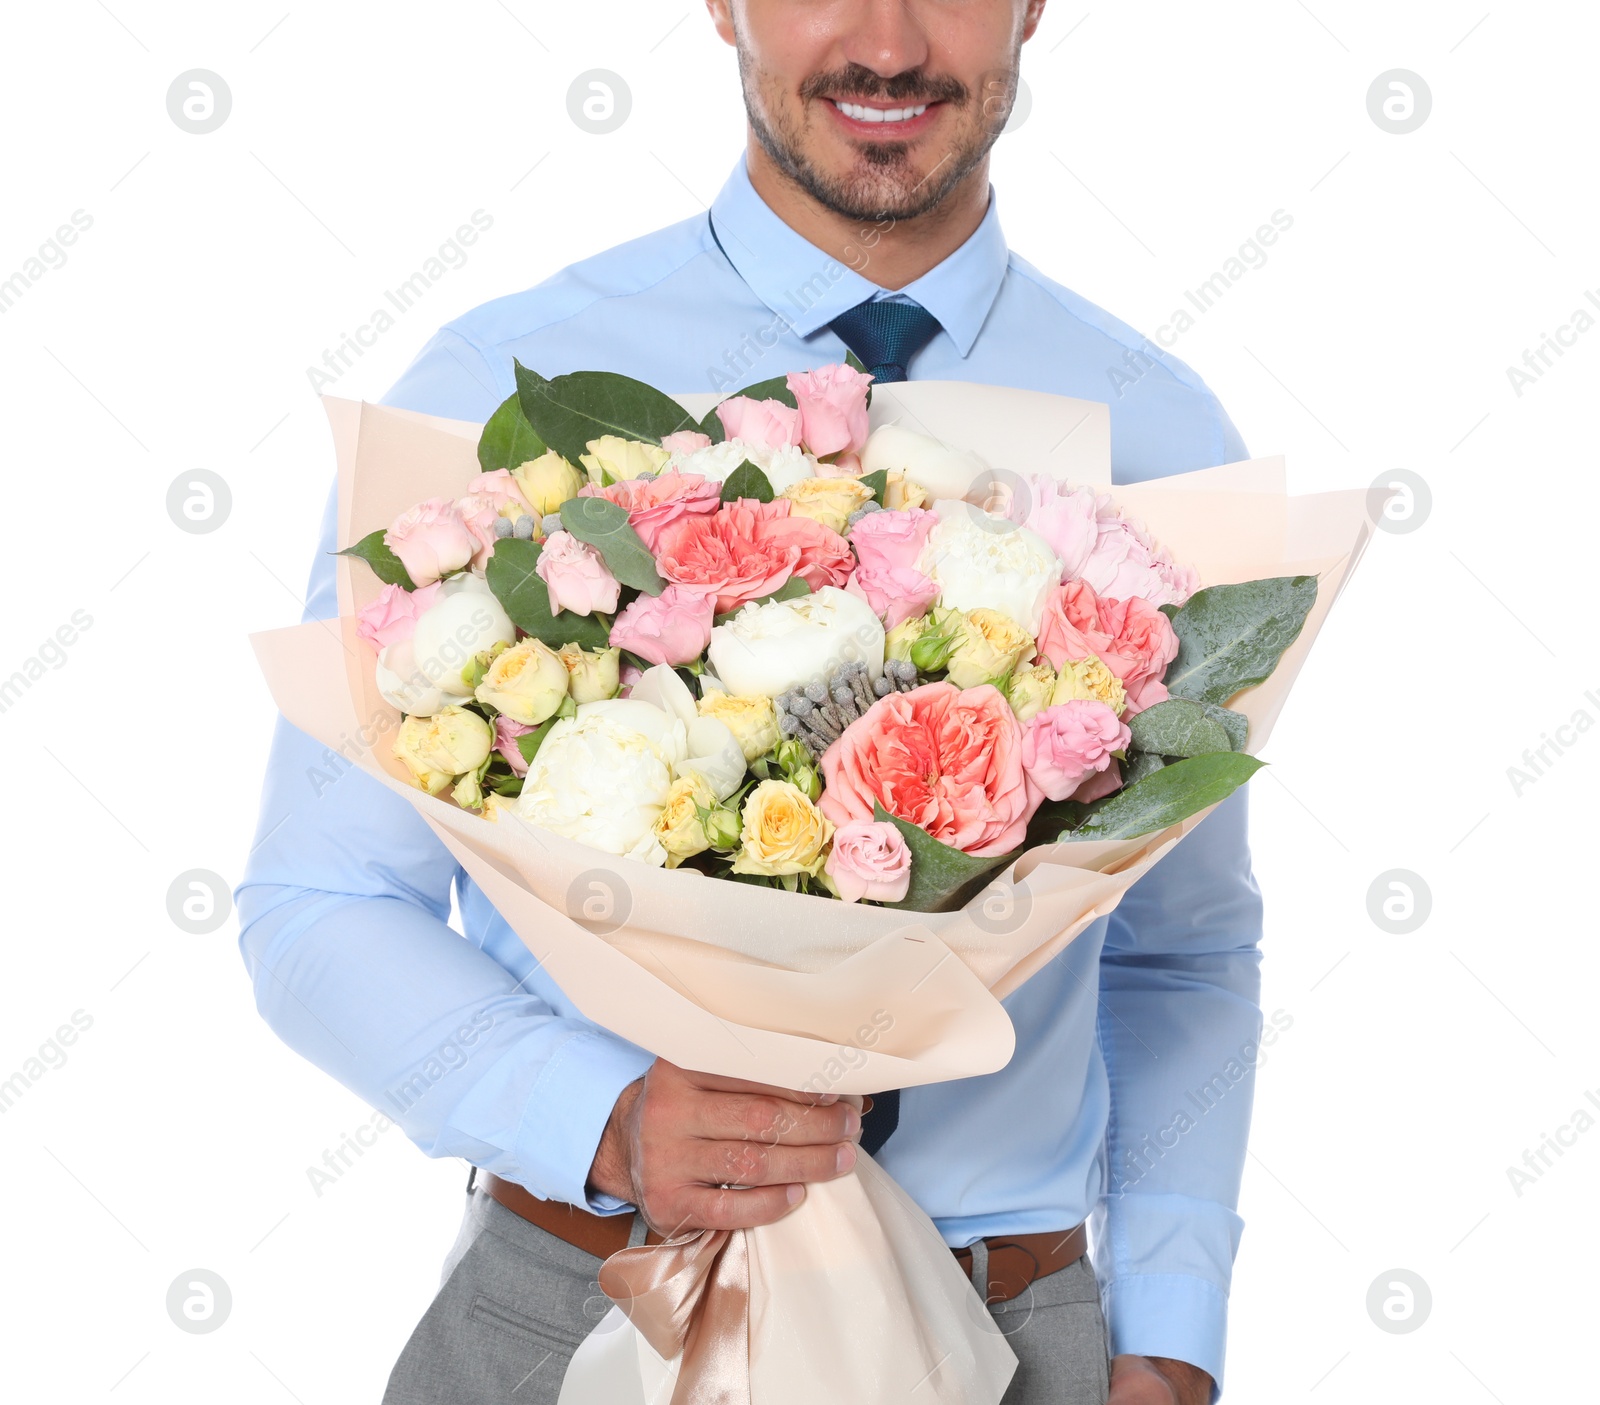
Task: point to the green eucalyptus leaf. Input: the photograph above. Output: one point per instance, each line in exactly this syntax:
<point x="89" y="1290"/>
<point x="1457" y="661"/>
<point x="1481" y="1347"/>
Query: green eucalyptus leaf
<point x="1140" y="765"/>
<point x="515" y="583"/>
<point x="791" y="589"/>
<point x="1235" y="724"/>
<point x="942" y="878"/>
<point x="1178" y="727"/>
<point x="386" y="566"/>
<point x="508" y="439"/>
<point x="1230" y="637"/>
<point x="604" y="526"/>
<point x="1167" y="796"/>
<point x="569" y="411"/>
<point x="711" y="426"/>
<point x="747" y="481"/>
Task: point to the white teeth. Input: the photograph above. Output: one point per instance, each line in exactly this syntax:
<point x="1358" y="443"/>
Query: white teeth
<point x="879" y="114"/>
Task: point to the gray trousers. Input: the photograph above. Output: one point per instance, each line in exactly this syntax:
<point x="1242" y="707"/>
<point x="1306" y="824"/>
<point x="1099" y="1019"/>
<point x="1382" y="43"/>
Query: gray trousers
<point x="516" y="1301"/>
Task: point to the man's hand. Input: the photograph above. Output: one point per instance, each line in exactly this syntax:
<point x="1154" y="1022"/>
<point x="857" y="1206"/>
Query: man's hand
<point x="1156" y="1380"/>
<point x="676" y="1140"/>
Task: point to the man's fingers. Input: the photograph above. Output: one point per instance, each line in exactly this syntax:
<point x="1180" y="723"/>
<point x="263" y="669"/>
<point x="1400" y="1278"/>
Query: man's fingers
<point x="708" y="1207"/>
<point x="741" y="1117"/>
<point x="756" y="1164"/>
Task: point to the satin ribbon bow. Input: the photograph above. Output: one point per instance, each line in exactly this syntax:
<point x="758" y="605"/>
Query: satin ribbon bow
<point x="691" y="1296"/>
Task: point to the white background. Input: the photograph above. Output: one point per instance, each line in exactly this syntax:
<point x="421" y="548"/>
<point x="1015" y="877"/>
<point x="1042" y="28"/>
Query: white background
<point x="178" y="1133"/>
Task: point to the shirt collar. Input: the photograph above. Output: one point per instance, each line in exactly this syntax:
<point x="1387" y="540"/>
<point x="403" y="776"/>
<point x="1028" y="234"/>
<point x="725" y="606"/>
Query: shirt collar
<point x="809" y="288"/>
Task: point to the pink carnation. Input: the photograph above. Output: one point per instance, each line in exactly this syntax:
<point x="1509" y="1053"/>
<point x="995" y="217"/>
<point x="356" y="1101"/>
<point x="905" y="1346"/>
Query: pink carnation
<point x="672" y="628"/>
<point x="833" y="408"/>
<point x="896" y="593"/>
<point x="1063" y="745"/>
<point x="654" y="504"/>
<point x="870" y="859"/>
<point x="390" y="617"/>
<point x="431" y="540"/>
<point x="892" y="540"/>
<point x="766" y="424"/>
<point x="945" y="758"/>
<point x="577" y="576"/>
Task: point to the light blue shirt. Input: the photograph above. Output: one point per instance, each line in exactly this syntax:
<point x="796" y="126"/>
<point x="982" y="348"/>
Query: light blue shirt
<point x="1129" y="1094"/>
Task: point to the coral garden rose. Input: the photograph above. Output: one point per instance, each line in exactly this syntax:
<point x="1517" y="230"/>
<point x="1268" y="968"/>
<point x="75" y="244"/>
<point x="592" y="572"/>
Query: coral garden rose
<point x="945" y="758"/>
<point x="748" y="549"/>
<point x="1132" y="637"/>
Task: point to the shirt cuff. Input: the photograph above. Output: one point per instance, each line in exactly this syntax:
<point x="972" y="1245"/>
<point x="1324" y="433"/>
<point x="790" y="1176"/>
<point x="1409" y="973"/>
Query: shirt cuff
<point x="1169" y="1314"/>
<point x="567" y="1114"/>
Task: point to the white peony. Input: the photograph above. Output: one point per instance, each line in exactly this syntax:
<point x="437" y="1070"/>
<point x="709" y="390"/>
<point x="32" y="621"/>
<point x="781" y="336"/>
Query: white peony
<point x="981" y="562"/>
<point x="603" y="776"/>
<point x="465" y="620"/>
<point x="769" y="649"/>
<point x="943" y="471"/>
<point x="784" y="466"/>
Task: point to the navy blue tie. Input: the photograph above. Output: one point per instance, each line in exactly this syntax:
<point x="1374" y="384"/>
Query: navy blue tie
<point x="886" y="335"/>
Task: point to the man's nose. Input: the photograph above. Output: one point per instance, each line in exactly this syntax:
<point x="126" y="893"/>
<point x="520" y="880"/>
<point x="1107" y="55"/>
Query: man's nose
<point x="887" y="36"/>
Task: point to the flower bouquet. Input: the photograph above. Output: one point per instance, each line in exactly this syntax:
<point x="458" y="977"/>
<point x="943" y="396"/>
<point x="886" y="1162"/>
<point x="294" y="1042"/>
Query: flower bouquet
<point x="807" y="641"/>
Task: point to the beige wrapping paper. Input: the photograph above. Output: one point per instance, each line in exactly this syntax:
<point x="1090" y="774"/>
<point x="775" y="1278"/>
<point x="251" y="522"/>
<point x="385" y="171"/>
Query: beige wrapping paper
<point x="853" y="1298"/>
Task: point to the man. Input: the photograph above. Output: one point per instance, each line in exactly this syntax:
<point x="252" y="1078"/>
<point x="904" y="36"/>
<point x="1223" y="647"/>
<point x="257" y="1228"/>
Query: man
<point x="861" y="218"/>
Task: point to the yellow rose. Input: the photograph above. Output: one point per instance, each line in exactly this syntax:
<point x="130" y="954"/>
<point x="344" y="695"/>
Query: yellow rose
<point x="548" y="481"/>
<point x="527" y="682"/>
<point x="829" y="501"/>
<point x="783" y="832"/>
<point x="991" y="645"/>
<point x="753" y="721"/>
<point x="678" y="828"/>
<point x="621" y="458"/>
<point x="1029" y="691"/>
<point x="437" y="749"/>
<point x="900" y="492"/>
<point x="592" y="674"/>
<point x="1089" y="680"/>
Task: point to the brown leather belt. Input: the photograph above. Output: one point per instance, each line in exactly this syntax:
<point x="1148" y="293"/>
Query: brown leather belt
<point x="1015" y="1260"/>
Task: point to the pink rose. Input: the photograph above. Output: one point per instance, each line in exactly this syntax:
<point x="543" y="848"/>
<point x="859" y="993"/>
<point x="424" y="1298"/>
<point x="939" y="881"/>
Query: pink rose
<point x="945" y="758"/>
<point x="833" y="408"/>
<point x="1063" y="745"/>
<point x="391" y="616"/>
<point x="870" y="859"/>
<point x="654" y="504"/>
<point x="767" y="424"/>
<point x="506" y="732"/>
<point x="685" y="441"/>
<point x="577" y="576"/>
<point x="1066" y="519"/>
<point x="431" y="540"/>
<point x="478" y="511"/>
<point x="1143" y="641"/>
<point x="895" y="593"/>
<point x="1069" y="627"/>
<point x="672" y="628"/>
<point x="890" y="540"/>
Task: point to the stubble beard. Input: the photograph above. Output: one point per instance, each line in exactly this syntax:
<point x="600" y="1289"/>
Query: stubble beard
<point x="885" y="184"/>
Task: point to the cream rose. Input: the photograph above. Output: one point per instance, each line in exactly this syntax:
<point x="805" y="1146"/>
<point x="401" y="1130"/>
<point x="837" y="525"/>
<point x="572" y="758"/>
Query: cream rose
<point x="621" y="458"/>
<point x="783" y="832"/>
<point x="592" y="674"/>
<point x="437" y="749"/>
<point x="547" y="481"/>
<point x="829" y="501"/>
<point x="752" y="720"/>
<point x="1089" y="680"/>
<point x="527" y="682"/>
<point x="991" y="645"/>
<point x="678" y="828"/>
<point x="1029" y="689"/>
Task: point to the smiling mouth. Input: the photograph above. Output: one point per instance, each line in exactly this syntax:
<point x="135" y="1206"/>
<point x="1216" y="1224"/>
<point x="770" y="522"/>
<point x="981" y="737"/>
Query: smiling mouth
<point x="887" y="116"/>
